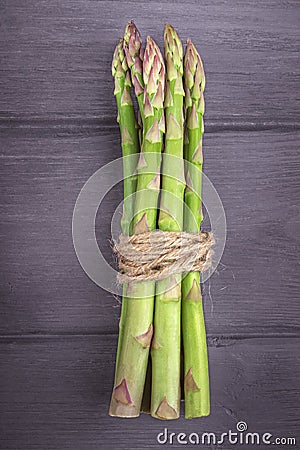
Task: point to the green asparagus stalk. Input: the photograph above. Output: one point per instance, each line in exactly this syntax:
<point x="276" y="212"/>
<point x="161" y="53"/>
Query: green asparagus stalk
<point x="130" y="146"/>
<point x="138" y="328"/>
<point x="165" y="352"/>
<point x="129" y="132"/>
<point x="196" y="375"/>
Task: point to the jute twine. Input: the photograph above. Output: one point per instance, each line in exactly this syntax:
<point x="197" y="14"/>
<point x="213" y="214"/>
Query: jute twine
<point x="158" y="254"/>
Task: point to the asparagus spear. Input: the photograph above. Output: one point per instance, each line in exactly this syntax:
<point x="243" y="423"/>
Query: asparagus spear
<point x="130" y="146"/>
<point x="196" y="375"/>
<point x="138" y="328"/>
<point x="129" y="131"/>
<point x="165" y="401"/>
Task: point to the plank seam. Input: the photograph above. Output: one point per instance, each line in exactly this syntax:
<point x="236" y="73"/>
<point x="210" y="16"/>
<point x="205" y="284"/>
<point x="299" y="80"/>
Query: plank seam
<point x="82" y="125"/>
<point x="211" y="337"/>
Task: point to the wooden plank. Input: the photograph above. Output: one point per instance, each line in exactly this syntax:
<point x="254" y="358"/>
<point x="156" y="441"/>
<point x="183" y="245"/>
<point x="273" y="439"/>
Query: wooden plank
<point x="54" y="394"/>
<point x="56" y="56"/>
<point x="43" y="287"/>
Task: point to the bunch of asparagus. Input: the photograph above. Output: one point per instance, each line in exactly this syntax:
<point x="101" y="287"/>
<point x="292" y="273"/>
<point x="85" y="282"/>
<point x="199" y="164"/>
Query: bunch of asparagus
<point x="169" y="93"/>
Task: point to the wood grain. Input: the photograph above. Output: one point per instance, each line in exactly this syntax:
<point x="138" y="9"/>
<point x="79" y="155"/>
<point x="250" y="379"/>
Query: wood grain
<point x="56" y="56"/>
<point x="43" y="287"/>
<point x="55" y="393"/>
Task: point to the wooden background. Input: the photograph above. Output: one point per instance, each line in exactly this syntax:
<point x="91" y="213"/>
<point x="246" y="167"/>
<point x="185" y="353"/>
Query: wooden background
<point x="58" y="330"/>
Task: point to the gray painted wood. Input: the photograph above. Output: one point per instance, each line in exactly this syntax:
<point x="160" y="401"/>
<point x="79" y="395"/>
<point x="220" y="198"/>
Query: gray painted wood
<point x="44" y="289"/>
<point x="57" y="126"/>
<point x="56" y="56"/>
<point x="55" y="393"/>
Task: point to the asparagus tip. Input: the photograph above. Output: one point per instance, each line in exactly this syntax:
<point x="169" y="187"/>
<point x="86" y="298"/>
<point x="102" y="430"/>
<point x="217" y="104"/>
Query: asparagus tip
<point x="132" y="44"/>
<point x="153" y="66"/>
<point x="119" y="64"/>
<point x="194" y="66"/>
